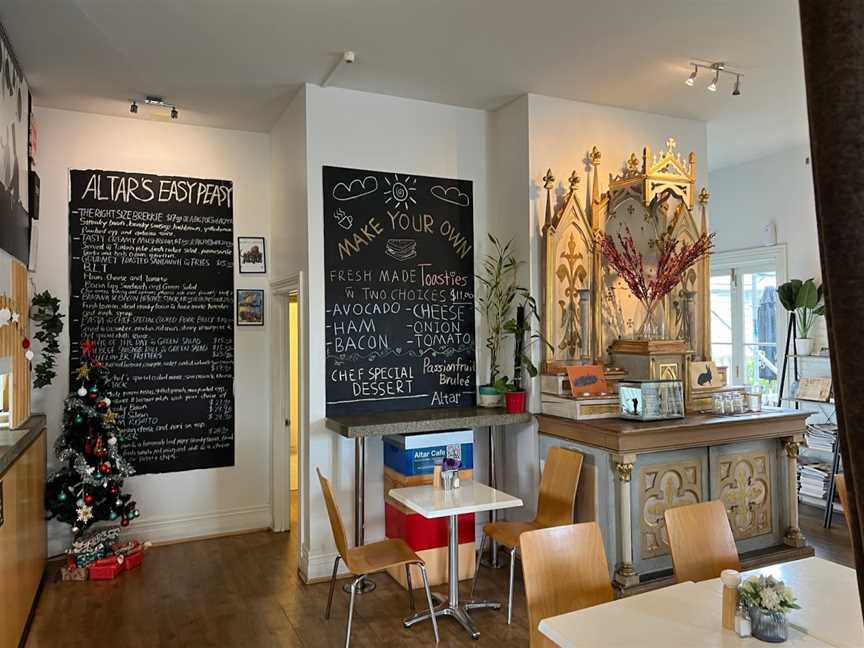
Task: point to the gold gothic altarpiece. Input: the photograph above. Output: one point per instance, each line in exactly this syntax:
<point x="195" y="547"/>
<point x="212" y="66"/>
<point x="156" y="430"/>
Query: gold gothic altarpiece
<point x="587" y="306"/>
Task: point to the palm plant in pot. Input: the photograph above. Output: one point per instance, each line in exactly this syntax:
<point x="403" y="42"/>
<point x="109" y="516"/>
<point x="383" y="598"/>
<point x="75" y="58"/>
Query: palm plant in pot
<point x="520" y="328"/>
<point x="804" y="300"/>
<point x="498" y="293"/>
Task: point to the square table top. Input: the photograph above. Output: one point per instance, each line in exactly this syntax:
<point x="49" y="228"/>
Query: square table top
<point x="689" y="614"/>
<point x="827" y="593"/>
<point x="470" y="497"/>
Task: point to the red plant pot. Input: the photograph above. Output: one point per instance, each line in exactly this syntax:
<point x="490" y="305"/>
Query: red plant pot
<point x="514" y="402"/>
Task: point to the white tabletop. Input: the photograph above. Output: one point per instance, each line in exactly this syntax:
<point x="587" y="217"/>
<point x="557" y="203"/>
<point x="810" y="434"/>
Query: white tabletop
<point x="471" y="497"/>
<point x="682" y="615"/>
<point x="828" y="596"/>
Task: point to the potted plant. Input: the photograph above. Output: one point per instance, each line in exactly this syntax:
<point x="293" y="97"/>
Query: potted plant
<point x="514" y="393"/>
<point x="495" y="299"/>
<point x="45" y="312"/>
<point x="768" y="602"/>
<point x="804" y="300"/>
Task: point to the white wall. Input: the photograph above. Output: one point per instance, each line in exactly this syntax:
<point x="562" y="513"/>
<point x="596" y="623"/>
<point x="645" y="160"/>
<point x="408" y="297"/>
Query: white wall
<point x="560" y="134"/>
<point x="200" y="502"/>
<point x="745" y="198"/>
<point x="368" y="131"/>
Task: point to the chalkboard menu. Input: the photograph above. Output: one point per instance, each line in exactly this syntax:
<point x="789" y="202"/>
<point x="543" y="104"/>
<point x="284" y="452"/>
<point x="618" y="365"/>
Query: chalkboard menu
<point x="152" y="282"/>
<point x="399" y="264"/>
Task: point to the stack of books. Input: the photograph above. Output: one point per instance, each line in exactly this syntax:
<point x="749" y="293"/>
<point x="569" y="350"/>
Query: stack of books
<point x="813" y="476"/>
<point x="821" y="436"/>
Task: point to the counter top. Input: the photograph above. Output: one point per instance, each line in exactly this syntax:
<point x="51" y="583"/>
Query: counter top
<point x="425" y="420"/>
<point x="620" y="435"/>
<point x="13" y="443"/>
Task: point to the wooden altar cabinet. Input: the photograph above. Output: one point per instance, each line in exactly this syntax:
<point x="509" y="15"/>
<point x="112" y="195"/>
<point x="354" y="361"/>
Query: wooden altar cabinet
<point x="634" y="471"/>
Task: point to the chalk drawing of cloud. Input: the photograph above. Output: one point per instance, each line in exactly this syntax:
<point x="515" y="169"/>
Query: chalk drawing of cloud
<point x="451" y="195"/>
<point x="356" y="188"/>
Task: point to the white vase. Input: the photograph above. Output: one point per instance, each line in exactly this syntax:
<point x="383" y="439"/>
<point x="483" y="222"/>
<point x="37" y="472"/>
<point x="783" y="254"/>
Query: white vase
<point x="803" y="346"/>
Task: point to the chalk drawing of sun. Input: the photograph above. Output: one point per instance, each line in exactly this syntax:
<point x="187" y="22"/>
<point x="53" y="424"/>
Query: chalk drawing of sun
<point x="399" y="192"/>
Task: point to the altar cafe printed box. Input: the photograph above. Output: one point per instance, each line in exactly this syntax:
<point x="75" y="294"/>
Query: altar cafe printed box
<point x="417" y="454"/>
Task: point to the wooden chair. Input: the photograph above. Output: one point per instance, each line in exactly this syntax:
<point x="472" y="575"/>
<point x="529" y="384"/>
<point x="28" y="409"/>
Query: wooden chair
<point x="554" y="508"/>
<point x="368" y="559"/>
<point x="565" y="569"/>
<point x="701" y="541"/>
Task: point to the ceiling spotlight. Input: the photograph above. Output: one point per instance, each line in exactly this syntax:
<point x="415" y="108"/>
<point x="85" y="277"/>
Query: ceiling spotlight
<point x="692" y="78"/>
<point x="133" y="108"/>
<point x="174" y="113"/>
<point x="737" y="91"/>
<point x="712" y="87"/>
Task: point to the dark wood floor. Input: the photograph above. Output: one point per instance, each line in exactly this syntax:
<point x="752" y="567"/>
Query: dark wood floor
<point x="245" y="591"/>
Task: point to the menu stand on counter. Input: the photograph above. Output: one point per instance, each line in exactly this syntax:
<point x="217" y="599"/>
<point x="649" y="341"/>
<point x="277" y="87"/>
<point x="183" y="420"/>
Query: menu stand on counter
<point x="360" y="427"/>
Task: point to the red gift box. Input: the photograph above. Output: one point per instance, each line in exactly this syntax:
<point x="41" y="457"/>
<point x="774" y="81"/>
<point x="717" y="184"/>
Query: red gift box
<point x="106" y="568"/>
<point x="134" y="559"/>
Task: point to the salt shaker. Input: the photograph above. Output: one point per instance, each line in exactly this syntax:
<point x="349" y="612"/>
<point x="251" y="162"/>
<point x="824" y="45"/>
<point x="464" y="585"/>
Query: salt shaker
<point x="731" y="579"/>
<point x="742" y="621"/>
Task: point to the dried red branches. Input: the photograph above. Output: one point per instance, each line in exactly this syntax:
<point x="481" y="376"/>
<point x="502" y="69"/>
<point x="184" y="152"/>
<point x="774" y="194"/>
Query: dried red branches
<point x="675" y="259"/>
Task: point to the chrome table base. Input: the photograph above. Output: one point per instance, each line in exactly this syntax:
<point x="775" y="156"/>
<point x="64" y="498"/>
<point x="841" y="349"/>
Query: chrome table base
<point x="449" y="606"/>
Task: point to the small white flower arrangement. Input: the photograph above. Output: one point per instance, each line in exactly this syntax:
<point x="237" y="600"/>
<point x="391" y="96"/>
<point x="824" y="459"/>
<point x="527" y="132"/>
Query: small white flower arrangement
<point x="768" y="594"/>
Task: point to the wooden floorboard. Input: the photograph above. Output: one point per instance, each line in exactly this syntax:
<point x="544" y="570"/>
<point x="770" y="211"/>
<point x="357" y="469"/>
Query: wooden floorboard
<point x="245" y="591"/>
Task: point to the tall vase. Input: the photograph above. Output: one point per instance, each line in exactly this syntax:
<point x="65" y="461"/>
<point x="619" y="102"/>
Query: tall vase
<point x="651" y="322"/>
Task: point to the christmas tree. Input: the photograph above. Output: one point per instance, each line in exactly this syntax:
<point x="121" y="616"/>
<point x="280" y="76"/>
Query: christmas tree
<point x="86" y="489"/>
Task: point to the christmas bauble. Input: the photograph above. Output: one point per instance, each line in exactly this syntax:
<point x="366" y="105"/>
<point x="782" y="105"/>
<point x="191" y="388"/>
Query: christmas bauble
<point x="61" y="496"/>
<point x="104" y="468"/>
<point x="112" y="441"/>
<point x="82" y="391"/>
<point x="113" y="515"/>
<point x="78" y="419"/>
<point x="136" y="513"/>
<point x="75" y="529"/>
<point x="29" y="354"/>
<point x="25" y="343"/>
<point x="124" y="522"/>
<point x="101" y="406"/>
<point x="79" y="503"/>
<point x="88" y="499"/>
<point x="107" y="401"/>
<point x="114" y="490"/>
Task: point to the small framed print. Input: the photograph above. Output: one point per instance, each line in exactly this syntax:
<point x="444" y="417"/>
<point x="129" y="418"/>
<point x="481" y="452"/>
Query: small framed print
<point x="704" y="375"/>
<point x="587" y="380"/>
<point x="250" y="307"/>
<point x="250" y="251"/>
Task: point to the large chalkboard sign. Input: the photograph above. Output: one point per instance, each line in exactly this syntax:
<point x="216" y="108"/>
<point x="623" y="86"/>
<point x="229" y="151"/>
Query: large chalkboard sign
<point x="152" y="282"/>
<point x="399" y="264"/>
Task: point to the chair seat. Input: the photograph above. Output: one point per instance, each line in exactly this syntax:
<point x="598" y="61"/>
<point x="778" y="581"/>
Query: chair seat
<point x="507" y="533"/>
<point x="378" y="556"/>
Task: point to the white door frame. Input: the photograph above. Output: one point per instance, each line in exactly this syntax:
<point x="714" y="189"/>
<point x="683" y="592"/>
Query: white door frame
<point x="281" y="290"/>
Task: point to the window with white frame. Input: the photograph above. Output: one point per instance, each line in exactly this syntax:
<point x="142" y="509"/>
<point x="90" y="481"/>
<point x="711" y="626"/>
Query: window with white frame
<point x="747" y="319"/>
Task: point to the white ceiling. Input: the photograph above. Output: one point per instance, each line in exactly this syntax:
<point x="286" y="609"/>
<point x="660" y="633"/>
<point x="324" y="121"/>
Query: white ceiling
<point x="236" y="63"/>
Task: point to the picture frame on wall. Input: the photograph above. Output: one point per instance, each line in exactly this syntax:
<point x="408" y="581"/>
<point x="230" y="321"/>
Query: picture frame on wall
<point x="252" y="255"/>
<point x="250" y="307"/>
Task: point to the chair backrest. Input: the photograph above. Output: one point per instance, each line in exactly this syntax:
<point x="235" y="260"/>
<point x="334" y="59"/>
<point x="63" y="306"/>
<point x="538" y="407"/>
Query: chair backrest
<point x="558" y="487"/>
<point x="840" y="483"/>
<point x="564" y="569"/>
<point x="701" y="541"/>
<point x="335" y="518"/>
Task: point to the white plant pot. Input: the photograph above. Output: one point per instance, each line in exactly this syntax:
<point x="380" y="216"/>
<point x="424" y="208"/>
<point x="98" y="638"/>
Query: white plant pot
<point x="490" y="400"/>
<point x="803" y="346"/>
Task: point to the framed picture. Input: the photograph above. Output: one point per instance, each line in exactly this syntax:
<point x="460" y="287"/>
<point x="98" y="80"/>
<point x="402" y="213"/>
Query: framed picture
<point x="704" y="375"/>
<point x="587" y="380"/>
<point x="250" y="251"/>
<point x="250" y="307"/>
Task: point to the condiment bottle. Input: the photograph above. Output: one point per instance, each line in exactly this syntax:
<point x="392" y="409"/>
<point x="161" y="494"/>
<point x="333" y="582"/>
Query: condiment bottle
<point x="742" y="621"/>
<point x="731" y="579"/>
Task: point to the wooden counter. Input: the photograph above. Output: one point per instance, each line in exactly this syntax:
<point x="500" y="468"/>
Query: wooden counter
<point x="22" y="525"/>
<point x="620" y="435"/>
<point x="634" y="471"/>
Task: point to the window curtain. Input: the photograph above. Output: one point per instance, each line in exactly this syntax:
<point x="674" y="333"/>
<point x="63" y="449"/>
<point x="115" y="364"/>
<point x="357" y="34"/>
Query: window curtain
<point x="833" y="44"/>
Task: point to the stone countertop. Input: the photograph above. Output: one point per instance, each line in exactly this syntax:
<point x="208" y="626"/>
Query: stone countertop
<point x="425" y="420"/>
<point x="13" y="443"/>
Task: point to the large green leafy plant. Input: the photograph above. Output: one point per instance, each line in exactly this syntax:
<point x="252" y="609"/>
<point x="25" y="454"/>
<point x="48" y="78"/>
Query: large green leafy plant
<point x="49" y="320"/>
<point x="498" y="294"/>
<point x="519" y="328"/>
<point x="805" y="300"/>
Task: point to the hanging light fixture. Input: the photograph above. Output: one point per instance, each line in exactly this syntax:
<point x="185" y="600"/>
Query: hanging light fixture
<point x="692" y="78"/>
<point x="717" y="68"/>
<point x="712" y="87"/>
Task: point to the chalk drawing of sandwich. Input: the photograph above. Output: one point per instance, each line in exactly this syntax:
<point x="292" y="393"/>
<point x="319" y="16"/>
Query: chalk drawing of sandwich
<point x="401" y="249"/>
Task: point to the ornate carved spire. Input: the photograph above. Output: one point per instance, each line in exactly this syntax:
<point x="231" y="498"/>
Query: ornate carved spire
<point x="548" y="184"/>
<point x="594" y="157"/>
<point x="574" y="181"/>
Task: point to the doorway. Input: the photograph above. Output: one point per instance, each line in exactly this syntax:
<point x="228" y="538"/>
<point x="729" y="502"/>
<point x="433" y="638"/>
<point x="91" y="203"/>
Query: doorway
<point x="287" y="394"/>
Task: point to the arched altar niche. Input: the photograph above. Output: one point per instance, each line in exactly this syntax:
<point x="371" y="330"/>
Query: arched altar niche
<point x="648" y="196"/>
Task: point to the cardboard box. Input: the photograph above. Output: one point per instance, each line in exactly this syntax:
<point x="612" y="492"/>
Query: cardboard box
<point x="423" y="533"/>
<point x="417" y="454"/>
<point x="437" y="565"/>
